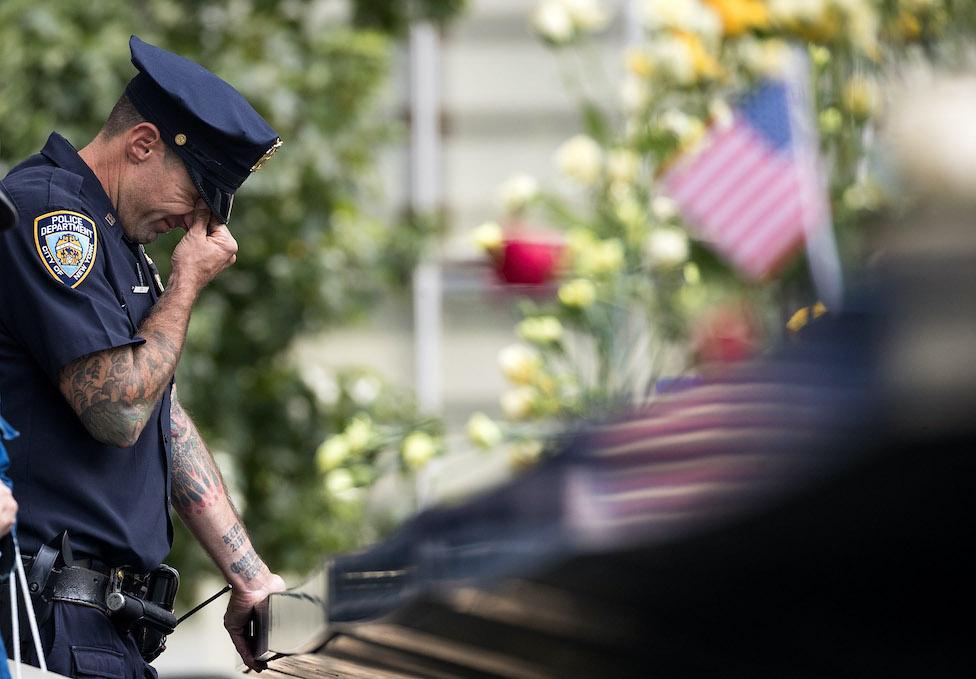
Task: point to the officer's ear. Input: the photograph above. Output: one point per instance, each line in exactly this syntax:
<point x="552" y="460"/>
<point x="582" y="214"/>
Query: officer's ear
<point x="143" y="142"/>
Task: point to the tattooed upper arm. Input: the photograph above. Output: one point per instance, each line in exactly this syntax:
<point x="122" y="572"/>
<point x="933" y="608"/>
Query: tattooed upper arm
<point x="115" y="391"/>
<point x="100" y="389"/>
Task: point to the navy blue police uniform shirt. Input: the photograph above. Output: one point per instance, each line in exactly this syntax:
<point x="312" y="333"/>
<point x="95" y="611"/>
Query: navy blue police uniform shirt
<point x="72" y="284"/>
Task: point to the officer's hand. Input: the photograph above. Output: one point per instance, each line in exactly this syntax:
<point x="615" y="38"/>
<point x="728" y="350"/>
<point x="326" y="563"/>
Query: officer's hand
<point x="242" y="603"/>
<point x="207" y="249"/>
<point x="8" y="509"/>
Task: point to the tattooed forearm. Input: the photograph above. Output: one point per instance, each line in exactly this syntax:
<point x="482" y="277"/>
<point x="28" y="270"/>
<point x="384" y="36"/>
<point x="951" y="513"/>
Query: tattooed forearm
<point x="196" y="480"/>
<point x="247" y="566"/>
<point x="235" y="537"/>
<point x="115" y="391"/>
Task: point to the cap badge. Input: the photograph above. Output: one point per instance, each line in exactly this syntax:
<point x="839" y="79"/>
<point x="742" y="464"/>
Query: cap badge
<point x="180" y="139"/>
<point x="270" y="152"/>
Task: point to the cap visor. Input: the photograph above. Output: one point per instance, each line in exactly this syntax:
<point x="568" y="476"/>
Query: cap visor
<point x="8" y="213"/>
<point x="219" y="201"/>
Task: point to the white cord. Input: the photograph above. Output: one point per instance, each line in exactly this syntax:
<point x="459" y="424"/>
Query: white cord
<point x="29" y="607"/>
<point x="15" y="623"/>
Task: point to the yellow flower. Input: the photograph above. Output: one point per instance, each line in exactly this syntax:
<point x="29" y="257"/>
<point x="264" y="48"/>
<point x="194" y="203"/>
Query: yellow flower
<point x="831" y="121"/>
<point x="691" y="273"/>
<point x="861" y="96"/>
<point x="804" y="315"/>
<point x="418" y="448"/>
<point x="578" y="293"/>
<point x="483" y="431"/>
<point x="519" y="363"/>
<point x="518" y="403"/>
<point x="739" y="16"/>
<point x="638" y="63"/>
<point x="359" y="433"/>
<point x="489" y="236"/>
<point x="333" y="452"/>
<point x="609" y="256"/>
<point x="704" y="64"/>
<point x="540" y="329"/>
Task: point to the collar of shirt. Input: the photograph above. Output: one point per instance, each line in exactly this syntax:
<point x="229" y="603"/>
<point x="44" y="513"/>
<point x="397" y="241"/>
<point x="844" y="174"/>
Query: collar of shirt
<point x="60" y="152"/>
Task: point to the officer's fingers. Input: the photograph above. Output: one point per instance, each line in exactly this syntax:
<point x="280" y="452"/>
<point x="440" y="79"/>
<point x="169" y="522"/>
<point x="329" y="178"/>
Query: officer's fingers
<point x="200" y="217"/>
<point x="243" y="650"/>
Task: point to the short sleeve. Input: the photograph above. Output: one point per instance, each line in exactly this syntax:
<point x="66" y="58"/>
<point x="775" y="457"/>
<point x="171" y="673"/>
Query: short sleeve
<point x="56" y="298"/>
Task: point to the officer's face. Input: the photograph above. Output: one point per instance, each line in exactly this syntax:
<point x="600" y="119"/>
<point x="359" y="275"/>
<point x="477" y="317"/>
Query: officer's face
<point x="161" y="198"/>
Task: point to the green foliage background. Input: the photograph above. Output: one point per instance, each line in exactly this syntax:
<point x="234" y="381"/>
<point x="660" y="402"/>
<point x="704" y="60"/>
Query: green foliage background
<point x="310" y="255"/>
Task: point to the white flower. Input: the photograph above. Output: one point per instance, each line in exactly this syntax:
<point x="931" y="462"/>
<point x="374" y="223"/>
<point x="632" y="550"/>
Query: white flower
<point x="322" y="384"/>
<point x="671" y="58"/>
<point x="587" y="15"/>
<point x="667" y="247"/>
<point x="762" y="57"/>
<point x="517" y="192"/>
<point x="683" y="15"/>
<point x="489" y="236"/>
<point x="519" y="363"/>
<point x="663" y="208"/>
<point x="553" y="21"/>
<point x="635" y="95"/>
<point x="339" y="482"/>
<point x="687" y="129"/>
<point x="581" y="159"/>
<point x="365" y="390"/>
<point x="623" y="165"/>
<point x="418" y="448"/>
<point x="517" y="403"/>
<point x="793" y="11"/>
<point x="333" y="452"/>
<point x="720" y="112"/>
<point x="483" y="431"/>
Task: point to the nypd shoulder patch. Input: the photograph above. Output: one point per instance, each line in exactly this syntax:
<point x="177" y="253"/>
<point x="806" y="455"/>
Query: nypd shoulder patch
<point x="67" y="243"/>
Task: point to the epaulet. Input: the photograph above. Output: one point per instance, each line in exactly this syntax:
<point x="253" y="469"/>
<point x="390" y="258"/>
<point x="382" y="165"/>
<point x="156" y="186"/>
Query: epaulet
<point x="64" y="188"/>
<point x="37" y="189"/>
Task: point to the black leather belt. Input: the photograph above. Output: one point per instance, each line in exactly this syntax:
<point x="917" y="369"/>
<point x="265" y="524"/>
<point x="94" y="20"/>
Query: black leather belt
<point x="73" y="583"/>
<point x="79" y="585"/>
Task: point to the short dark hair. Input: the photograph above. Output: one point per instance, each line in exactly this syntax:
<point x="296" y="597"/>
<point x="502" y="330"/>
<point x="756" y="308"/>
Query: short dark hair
<point x="123" y="117"/>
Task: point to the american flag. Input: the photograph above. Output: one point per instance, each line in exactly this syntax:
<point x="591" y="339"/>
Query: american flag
<point x="752" y="189"/>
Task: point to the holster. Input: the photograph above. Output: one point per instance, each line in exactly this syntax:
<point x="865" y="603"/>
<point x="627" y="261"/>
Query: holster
<point x="137" y="603"/>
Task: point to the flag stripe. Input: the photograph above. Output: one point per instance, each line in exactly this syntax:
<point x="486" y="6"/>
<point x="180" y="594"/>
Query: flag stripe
<point x="709" y="163"/>
<point x="753" y="190"/>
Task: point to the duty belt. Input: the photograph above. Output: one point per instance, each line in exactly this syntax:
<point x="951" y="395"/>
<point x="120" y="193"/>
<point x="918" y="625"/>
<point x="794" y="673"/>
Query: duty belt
<point x="70" y="582"/>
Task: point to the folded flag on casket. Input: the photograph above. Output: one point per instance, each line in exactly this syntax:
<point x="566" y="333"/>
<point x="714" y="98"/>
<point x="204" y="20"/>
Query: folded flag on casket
<point x="752" y="188"/>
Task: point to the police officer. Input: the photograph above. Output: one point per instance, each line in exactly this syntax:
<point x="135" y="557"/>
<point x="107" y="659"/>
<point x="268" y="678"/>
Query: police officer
<point x="89" y="345"/>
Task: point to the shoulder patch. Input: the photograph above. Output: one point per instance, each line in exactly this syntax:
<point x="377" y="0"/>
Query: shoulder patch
<point x="67" y="243"/>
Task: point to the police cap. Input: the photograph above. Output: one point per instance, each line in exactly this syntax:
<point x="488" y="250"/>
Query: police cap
<point x="210" y="125"/>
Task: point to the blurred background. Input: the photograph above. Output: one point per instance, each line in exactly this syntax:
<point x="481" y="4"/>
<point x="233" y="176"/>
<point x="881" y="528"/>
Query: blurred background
<point x="462" y="248"/>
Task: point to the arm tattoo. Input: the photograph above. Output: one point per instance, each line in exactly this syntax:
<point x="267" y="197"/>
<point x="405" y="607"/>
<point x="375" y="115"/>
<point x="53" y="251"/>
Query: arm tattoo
<point x="115" y="391"/>
<point x="234" y="538"/>
<point x="247" y="566"/>
<point x="197" y="483"/>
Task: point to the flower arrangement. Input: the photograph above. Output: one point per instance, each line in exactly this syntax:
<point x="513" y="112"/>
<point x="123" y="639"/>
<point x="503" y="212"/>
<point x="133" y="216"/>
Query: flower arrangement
<point x="637" y="297"/>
